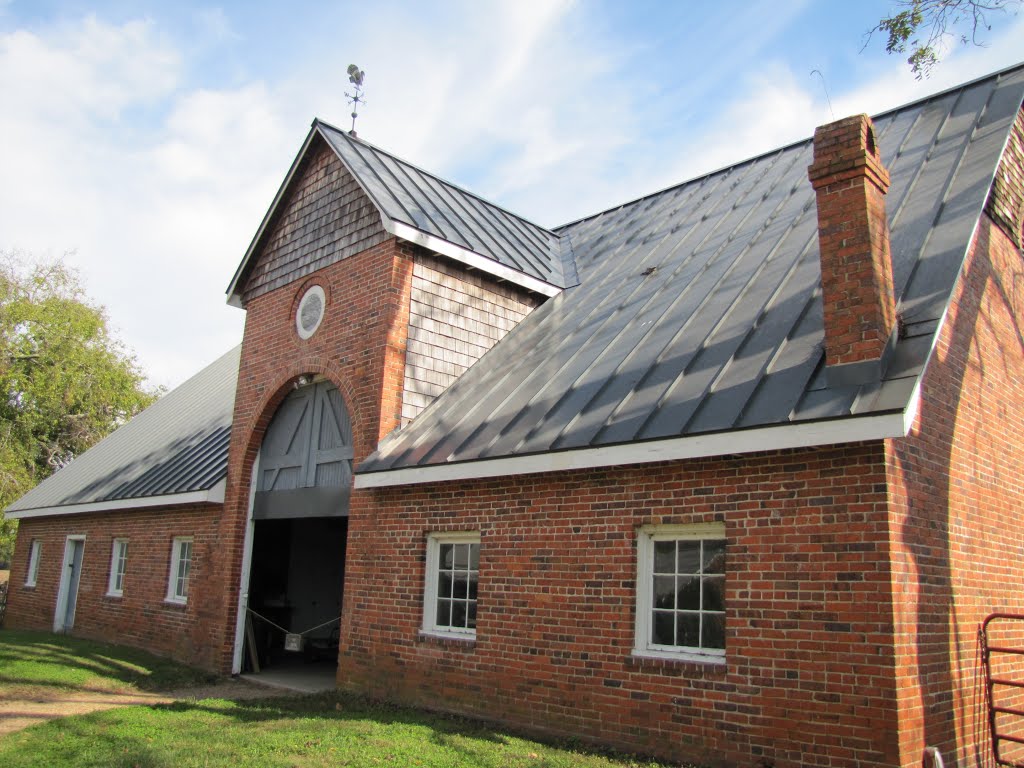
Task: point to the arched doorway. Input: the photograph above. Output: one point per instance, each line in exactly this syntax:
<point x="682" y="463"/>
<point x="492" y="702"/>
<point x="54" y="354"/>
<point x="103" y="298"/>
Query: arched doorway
<point x="299" y="532"/>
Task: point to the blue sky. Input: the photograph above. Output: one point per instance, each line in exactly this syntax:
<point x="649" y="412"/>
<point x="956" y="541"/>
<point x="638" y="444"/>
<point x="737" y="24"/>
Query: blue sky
<point x="146" y="139"/>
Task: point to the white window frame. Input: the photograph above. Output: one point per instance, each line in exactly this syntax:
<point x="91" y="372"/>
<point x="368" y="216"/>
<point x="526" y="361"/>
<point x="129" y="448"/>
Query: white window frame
<point x="646" y="536"/>
<point x="313" y="291"/>
<point x="35" y="553"/>
<point x="430" y="597"/>
<point x="118" y="567"/>
<point x="174" y="593"/>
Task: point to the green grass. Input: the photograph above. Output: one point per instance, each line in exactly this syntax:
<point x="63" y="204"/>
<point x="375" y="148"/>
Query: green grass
<point x="322" y="730"/>
<point x="39" y="660"/>
<point x="319" y="730"/>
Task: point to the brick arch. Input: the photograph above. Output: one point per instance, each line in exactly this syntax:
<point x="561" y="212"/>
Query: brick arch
<point x="256" y="427"/>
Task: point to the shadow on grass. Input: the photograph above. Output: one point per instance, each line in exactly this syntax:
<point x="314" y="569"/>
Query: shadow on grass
<point x="39" y="658"/>
<point x="313" y="729"/>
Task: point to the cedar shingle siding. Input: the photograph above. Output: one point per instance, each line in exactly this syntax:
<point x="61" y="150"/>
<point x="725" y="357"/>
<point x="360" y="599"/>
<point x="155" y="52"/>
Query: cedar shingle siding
<point x="454" y="318"/>
<point x="325" y="218"/>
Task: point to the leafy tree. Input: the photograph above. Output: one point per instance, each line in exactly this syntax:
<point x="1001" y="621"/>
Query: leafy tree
<point x="920" y="26"/>
<point x="66" y="382"/>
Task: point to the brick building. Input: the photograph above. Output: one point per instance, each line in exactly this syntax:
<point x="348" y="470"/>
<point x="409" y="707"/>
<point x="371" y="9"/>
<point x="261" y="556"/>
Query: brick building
<point x="729" y="473"/>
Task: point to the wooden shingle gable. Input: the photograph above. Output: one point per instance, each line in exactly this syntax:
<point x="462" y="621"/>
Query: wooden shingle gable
<point x="321" y="217"/>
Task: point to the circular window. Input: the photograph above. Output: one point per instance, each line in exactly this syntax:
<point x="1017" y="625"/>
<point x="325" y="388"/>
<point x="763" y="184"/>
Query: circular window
<point x="310" y="312"/>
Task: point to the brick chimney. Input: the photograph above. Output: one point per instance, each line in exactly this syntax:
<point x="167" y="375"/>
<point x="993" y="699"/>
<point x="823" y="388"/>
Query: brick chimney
<point x="853" y="237"/>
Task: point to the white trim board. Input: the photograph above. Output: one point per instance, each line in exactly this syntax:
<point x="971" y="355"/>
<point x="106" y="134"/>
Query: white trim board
<point x="776" y="437"/>
<point x="471" y="259"/>
<point x="214" y="495"/>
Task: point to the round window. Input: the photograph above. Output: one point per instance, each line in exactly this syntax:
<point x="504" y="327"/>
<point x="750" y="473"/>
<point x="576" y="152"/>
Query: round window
<point x="310" y="312"/>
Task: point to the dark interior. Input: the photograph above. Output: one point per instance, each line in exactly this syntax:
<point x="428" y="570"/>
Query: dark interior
<point x="296" y="581"/>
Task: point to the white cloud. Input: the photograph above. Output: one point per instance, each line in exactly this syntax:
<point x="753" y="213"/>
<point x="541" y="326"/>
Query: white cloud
<point x="84" y="175"/>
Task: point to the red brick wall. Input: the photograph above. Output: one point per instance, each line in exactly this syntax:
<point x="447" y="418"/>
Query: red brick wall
<point x="957" y="495"/>
<point x="359" y="346"/>
<point x="808" y="679"/>
<point x="1005" y="202"/>
<point x="141" y="617"/>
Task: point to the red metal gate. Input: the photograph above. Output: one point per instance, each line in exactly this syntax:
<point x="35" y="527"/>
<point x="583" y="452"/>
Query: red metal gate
<point x="996" y="685"/>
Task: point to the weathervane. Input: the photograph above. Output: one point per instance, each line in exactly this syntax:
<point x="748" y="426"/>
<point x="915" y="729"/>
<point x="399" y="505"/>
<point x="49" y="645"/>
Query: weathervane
<point x="355" y="76"/>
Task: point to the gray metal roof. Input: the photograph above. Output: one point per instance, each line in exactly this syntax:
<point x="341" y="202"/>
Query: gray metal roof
<point x="438" y="208"/>
<point x="699" y="309"/>
<point x="179" y="445"/>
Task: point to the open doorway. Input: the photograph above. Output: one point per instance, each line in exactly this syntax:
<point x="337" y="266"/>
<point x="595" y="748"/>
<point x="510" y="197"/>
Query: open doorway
<point x="295" y="589"/>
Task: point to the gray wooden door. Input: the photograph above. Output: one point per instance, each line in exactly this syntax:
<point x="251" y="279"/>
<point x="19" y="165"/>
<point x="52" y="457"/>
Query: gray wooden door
<point x="74" y="576"/>
<point x="306" y="459"/>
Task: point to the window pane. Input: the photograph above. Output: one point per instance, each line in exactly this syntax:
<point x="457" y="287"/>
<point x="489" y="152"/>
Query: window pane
<point x="688" y="629"/>
<point x="458" y="614"/>
<point x="461" y="586"/>
<point x="689" y="557"/>
<point x="457" y="578"/>
<point x="664" y="557"/>
<point x="662" y="628"/>
<point x="447" y="556"/>
<point x="688" y="593"/>
<point x="664" y="591"/>
<point x="714" y="593"/>
<point x="184" y="567"/>
<point x="444" y="584"/>
<point x="714" y="556"/>
<point x="444" y="613"/>
<point x="713" y="635"/>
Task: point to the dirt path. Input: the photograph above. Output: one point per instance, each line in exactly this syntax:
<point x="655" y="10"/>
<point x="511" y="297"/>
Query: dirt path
<point x="17" y="713"/>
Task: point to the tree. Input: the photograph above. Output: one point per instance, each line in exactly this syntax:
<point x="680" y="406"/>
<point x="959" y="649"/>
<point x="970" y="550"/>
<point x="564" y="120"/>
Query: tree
<point x="66" y="381"/>
<point x="921" y="26"/>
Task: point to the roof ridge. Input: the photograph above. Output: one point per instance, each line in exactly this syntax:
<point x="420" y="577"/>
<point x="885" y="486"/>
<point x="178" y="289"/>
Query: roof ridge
<point x="755" y="158"/>
<point x="357" y="139"/>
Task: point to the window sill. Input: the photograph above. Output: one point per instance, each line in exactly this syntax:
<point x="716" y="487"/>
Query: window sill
<point x="169" y="603"/>
<point x="30" y="587"/>
<point x="447" y="638"/>
<point x="669" y="659"/>
<point x="114" y="595"/>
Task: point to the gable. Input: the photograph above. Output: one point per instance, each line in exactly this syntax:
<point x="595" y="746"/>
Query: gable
<point x="323" y="217"/>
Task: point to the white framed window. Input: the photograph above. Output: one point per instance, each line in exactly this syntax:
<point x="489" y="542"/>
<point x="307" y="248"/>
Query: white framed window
<point x="452" y="575"/>
<point x="181" y="567"/>
<point x="35" y="551"/>
<point x="680" y="592"/>
<point x="118" y="563"/>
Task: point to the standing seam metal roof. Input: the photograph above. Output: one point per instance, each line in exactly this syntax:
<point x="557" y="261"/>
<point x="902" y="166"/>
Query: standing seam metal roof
<point x="433" y="206"/>
<point x="177" y="445"/>
<point x="699" y="307"/>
